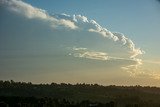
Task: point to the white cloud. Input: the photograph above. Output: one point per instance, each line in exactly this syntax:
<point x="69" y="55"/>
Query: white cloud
<point x="72" y="22"/>
<point x="82" y="24"/>
<point x="25" y="9"/>
<point x="93" y="26"/>
<point x="31" y="12"/>
<point x="68" y="23"/>
<point x="129" y="43"/>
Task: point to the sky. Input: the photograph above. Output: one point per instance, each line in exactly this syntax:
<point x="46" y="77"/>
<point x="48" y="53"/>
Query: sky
<point x="108" y="42"/>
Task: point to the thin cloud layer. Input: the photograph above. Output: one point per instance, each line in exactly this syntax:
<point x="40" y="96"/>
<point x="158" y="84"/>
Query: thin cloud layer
<point x="131" y="67"/>
<point x="82" y="24"/>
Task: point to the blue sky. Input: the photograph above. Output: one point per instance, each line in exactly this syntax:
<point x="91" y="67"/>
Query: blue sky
<point x="107" y="42"/>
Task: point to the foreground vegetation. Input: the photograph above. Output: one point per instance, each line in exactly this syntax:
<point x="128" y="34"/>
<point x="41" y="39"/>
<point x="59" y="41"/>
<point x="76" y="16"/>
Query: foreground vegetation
<point x="21" y="94"/>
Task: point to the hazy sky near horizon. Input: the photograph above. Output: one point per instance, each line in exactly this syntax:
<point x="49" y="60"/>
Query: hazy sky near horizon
<point x="105" y="42"/>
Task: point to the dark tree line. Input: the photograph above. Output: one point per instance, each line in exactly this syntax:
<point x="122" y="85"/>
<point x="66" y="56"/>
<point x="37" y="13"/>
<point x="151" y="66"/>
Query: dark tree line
<point x="22" y="94"/>
<point x="48" y="102"/>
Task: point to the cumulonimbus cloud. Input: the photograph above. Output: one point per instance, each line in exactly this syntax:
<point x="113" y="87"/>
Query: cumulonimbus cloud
<point x="79" y="23"/>
<point x="92" y="26"/>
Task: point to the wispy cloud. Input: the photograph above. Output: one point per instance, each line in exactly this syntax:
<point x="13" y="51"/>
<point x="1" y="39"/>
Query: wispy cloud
<point x="85" y="53"/>
<point x="145" y="74"/>
<point x="130" y="67"/>
<point x="142" y="72"/>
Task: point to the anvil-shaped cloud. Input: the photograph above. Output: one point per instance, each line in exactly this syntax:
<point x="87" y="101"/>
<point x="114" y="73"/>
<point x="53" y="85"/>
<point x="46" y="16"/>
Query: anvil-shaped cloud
<point x="82" y="37"/>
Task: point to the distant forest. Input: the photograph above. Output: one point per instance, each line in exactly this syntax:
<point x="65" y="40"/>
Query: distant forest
<point x="22" y="94"/>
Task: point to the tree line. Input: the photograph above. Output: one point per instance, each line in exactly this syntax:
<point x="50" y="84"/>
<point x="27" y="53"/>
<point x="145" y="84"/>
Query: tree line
<point x="22" y="94"/>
